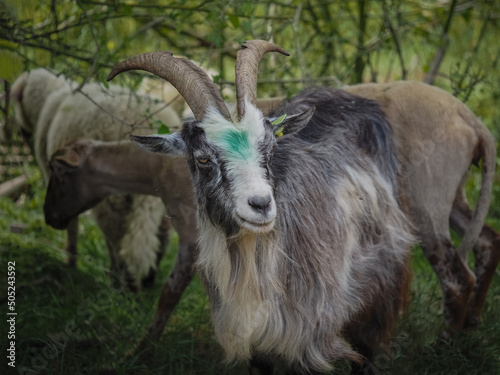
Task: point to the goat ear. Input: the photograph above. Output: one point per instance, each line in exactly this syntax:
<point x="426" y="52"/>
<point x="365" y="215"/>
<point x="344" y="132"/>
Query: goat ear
<point x="170" y="144"/>
<point x="292" y="123"/>
<point x="59" y="168"/>
<point x="72" y="156"/>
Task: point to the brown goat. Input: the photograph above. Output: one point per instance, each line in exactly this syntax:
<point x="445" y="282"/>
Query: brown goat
<point x="90" y="171"/>
<point x="438" y="139"/>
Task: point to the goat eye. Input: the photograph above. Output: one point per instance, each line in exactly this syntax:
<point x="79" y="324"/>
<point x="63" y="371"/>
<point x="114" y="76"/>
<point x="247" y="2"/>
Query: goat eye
<point x="203" y="160"/>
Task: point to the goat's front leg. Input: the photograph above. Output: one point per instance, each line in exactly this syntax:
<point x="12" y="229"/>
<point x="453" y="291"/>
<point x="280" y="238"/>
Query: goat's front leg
<point x="180" y="277"/>
<point x="177" y="282"/>
<point x="72" y="242"/>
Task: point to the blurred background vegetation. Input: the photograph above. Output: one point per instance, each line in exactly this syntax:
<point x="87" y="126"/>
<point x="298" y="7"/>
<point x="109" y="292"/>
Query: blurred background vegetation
<point x="453" y="44"/>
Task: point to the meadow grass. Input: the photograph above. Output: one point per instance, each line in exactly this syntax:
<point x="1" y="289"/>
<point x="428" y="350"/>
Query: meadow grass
<point x="71" y="321"/>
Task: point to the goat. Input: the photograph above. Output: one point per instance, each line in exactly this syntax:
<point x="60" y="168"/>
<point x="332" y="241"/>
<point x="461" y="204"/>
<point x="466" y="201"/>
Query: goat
<point x="47" y="107"/>
<point x="301" y="231"/>
<point x="108" y="167"/>
<point x="93" y="170"/>
<point x="438" y="139"/>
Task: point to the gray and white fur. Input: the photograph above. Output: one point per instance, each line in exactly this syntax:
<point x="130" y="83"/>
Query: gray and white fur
<point x="304" y="249"/>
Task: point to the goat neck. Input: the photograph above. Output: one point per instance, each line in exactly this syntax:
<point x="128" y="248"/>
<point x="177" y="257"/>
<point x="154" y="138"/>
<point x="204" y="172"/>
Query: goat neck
<point x="121" y="167"/>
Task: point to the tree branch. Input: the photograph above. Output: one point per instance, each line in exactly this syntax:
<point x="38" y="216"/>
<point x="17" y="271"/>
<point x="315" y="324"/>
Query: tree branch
<point x="5" y="96"/>
<point x="387" y="21"/>
<point x="474" y="52"/>
<point x="441" y="51"/>
<point x="359" y="64"/>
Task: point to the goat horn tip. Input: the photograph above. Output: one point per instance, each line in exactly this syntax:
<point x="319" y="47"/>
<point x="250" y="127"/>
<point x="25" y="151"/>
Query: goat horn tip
<point x="276" y="48"/>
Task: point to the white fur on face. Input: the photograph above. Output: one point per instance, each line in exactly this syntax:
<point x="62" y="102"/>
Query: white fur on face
<point x="240" y="149"/>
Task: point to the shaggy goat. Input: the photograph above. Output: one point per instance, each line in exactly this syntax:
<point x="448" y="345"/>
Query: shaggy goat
<point x="100" y="168"/>
<point x="93" y="170"/>
<point x="301" y="237"/>
<point x="438" y="139"/>
<point x="47" y="106"/>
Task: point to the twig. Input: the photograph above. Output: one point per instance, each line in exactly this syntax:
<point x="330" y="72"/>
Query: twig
<point x="103" y="109"/>
<point x="296" y="80"/>
<point x="359" y="64"/>
<point x="387" y="20"/>
<point x="96" y="54"/>
<point x="24" y="42"/>
<point x="438" y="59"/>
<point x="13" y="185"/>
<point x="329" y="46"/>
<point x="298" y="49"/>
<point x="473" y="82"/>
<point x="198" y="8"/>
<point x="497" y="58"/>
<point x="474" y="52"/>
<point x="6" y="97"/>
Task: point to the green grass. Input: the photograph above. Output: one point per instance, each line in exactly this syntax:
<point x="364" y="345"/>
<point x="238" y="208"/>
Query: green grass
<point x="71" y="321"/>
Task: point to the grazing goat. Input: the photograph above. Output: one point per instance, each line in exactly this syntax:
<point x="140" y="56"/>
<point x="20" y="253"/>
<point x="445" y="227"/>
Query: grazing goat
<point x="302" y="240"/>
<point x="48" y="107"/>
<point x="94" y="169"/>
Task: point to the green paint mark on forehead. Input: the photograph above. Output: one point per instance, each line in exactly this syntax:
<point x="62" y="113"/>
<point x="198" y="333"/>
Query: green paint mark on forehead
<point x="235" y="143"/>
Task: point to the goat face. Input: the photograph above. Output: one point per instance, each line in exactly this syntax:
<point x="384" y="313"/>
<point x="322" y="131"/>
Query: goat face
<point x="230" y="164"/>
<point x="229" y="159"/>
<point x="68" y="193"/>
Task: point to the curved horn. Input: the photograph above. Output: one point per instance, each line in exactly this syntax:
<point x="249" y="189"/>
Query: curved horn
<point x="191" y="81"/>
<point x="247" y="67"/>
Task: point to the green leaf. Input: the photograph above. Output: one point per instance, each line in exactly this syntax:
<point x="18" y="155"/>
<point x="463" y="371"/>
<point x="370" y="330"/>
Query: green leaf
<point x="279" y="120"/>
<point x="216" y="78"/>
<point x="467" y="15"/>
<point x="235" y="20"/>
<point x="246" y="26"/>
<point x="215" y="37"/>
<point x="127" y="9"/>
<point x="163" y="129"/>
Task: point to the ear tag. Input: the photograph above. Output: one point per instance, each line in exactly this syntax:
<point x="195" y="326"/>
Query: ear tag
<point x="279" y="132"/>
<point x="279" y="120"/>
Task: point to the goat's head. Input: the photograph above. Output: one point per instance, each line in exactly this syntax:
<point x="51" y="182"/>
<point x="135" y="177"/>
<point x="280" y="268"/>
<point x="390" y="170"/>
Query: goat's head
<point x="229" y="154"/>
<point x="68" y="191"/>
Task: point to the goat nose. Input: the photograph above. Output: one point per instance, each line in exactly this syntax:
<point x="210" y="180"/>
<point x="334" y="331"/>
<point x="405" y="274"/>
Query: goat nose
<point x="259" y="203"/>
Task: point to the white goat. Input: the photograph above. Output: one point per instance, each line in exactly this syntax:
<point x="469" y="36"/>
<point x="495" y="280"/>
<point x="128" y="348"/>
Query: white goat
<point x="48" y="107"/>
